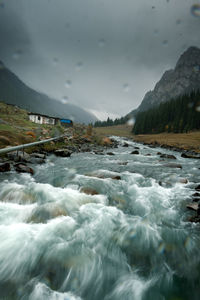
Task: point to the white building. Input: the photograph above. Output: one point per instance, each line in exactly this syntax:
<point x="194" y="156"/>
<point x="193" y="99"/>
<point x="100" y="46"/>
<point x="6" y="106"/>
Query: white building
<point x="42" y="119"/>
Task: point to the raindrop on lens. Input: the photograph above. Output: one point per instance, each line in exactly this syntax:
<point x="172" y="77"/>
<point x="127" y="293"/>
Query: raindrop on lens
<point x="79" y="66"/>
<point x="101" y="43"/>
<point x="165" y="42"/>
<point x="126" y="87"/>
<point x="64" y="100"/>
<point x="17" y="54"/>
<point x="131" y="122"/>
<point x="178" y="22"/>
<point x="55" y="60"/>
<point x="68" y="83"/>
<point x="195" y="10"/>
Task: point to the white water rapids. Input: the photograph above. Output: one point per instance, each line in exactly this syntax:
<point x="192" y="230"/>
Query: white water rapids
<point x="131" y="241"/>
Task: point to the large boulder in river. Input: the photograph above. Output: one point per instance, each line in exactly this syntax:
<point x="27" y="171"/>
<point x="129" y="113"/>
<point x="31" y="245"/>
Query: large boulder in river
<point x="135" y="152"/>
<point x="43" y="213"/>
<point x="185" y="155"/>
<point x="23" y="168"/>
<point x="18" y="156"/>
<point x="4" y="167"/>
<point x="63" y="153"/>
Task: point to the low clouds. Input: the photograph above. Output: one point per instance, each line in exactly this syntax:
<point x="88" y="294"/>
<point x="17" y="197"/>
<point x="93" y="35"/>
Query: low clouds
<point x="111" y="52"/>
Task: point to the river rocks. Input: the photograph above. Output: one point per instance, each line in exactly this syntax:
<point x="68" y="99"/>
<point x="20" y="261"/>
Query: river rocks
<point x="38" y="155"/>
<point x="185" y="155"/>
<point x="35" y="160"/>
<point x="43" y="213"/>
<point x="110" y="153"/>
<point x="123" y="163"/>
<point x="116" y="177"/>
<point x="18" y="156"/>
<point x="183" y="180"/>
<point x="172" y="165"/>
<point x="4" y="167"/>
<point x="105" y="176"/>
<point x="135" y="152"/>
<point x="193" y="206"/>
<point x="197" y="188"/>
<point x="169" y="156"/>
<point x="62" y="153"/>
<point x="88" y="191"/>
<point x="125" y="145"/>
<point x="23" y="168"/>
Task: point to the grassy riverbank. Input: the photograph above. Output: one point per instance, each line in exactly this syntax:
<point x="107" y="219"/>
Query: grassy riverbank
<point x="187" y="141"/>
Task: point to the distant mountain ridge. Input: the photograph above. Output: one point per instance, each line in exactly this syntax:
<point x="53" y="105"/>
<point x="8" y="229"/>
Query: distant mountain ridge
<point x="183" y="79"/>
<point x="14" y="91"/>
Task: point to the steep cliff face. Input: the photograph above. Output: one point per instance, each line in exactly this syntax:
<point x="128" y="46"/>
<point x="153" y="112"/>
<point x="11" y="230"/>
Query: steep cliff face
<point x="181" y="80"/>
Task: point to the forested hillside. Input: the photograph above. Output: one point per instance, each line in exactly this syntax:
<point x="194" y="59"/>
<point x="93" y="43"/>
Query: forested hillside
<point x="179" y="115"/>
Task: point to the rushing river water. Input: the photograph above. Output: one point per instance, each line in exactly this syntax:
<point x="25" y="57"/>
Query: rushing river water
<point x="130" y="241"/>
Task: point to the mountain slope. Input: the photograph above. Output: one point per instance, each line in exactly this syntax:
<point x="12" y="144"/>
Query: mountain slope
<point x="184" y="78"/>
<point x="14" y="91"/>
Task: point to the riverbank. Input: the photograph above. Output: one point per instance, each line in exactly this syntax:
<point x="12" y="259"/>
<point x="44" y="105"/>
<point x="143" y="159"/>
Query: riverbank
<point x="180" y="141"/>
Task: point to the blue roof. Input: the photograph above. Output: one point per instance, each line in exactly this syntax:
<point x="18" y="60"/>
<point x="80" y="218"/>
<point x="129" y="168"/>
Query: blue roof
<point x="65" y="121"/>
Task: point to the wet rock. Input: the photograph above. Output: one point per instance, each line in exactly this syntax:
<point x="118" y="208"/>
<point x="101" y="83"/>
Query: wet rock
<point x="4" y="167"/>
<point x="116" y="177"/>
<point x="185" y="155"/>
<point x="159" y="153"/>
<point x="110" y="153"/>
<point x="38" y="155"/>
<point x="197" y="188"/>
<point x="125" y="145"/>
<point x="136" y="148"/>
<point x="171" y="165"/>
<point x="196" y="195"/>
<point x="196" y="199"/>
<point x="148" y="154"/>
<point x="195" y="219"/>
<point x="89" y="191"/>
<point x="169" y="156"/>
<point x="35" y="160"/>
<point x="18" y="156"/>
<point x="193" y="206"/>
<point x="183" y="180"/>
<point x="135" y="152"/>
<point x="62" y="153"/>
<point x="23" y="168"/>
<point x="43" y="213"/>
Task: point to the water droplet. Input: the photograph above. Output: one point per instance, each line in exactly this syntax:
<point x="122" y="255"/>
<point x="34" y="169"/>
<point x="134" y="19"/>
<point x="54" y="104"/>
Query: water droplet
<point x="68" y="83"/>
<point x="178" y="21"/>
<point x="195" y="10"/>
<point x="196" y="69"/>
<point x="55" y="60"/>
<point x="79" y="66"/>
<point x="126" y="87"/>
<point x="153" y="7"/>
<point x="198" y="108"/>
<point x="131" y="122"/>
<point x="64" y="100"/>
<point x="101" y="43"/>
<point x="165" y="42"/>
<point x="17" y="54"/>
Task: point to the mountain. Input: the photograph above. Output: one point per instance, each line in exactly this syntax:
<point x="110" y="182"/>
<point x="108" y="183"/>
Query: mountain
<point x="184" y="78"/>
<point x="14" y="91"/>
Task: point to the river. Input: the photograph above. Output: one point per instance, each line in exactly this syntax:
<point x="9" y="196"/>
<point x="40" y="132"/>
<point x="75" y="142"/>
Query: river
<point x="130" y="241"/>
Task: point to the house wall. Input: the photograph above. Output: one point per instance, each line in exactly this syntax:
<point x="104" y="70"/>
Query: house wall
<point x="41" y="120"/>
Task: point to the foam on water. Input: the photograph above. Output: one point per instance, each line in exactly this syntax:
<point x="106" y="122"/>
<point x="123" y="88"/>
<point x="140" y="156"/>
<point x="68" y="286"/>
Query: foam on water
<point x="131" y="240"/>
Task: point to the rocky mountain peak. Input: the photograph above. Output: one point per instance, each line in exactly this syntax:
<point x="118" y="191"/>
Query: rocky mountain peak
<point x="184" y="78"/>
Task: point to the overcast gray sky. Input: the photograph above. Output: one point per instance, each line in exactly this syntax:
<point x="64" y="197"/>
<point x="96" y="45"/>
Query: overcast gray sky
<point x="102" y="55"/>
